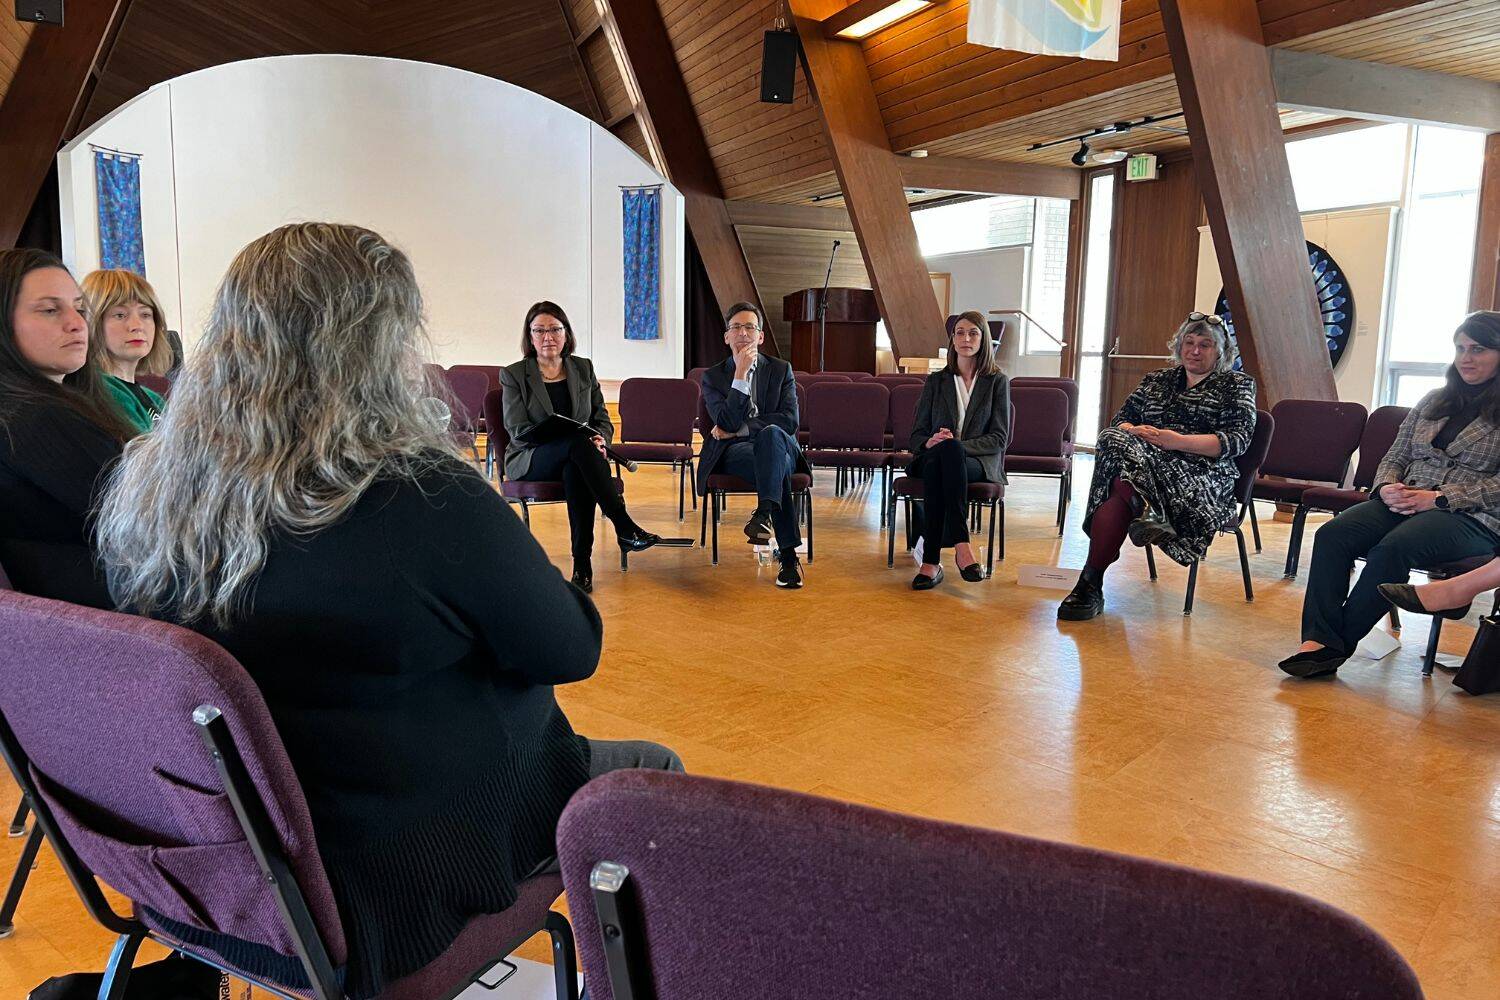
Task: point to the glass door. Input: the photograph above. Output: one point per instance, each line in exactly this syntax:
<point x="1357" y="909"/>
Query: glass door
<point x="1094" y="308"/>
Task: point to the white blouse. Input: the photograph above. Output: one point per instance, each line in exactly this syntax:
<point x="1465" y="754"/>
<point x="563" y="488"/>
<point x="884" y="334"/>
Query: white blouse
<point x="964" y="392"/>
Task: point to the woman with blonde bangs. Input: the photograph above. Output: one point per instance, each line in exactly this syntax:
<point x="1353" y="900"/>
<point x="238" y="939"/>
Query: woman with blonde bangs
<point x="300" y="505"/>
<point x="127" y="338"/>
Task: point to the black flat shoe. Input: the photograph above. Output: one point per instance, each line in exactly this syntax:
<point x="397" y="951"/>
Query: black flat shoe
<point x="638" y="542"/>
<point x="1150" y="530"/>
<point x="1086" y="601"/>
<point x="1318" y="663"/>
<point x="924" y="582"/>
<point x="1404" y="596"/>
<point x="758" y="528"/>
<point x="973" y="572"/>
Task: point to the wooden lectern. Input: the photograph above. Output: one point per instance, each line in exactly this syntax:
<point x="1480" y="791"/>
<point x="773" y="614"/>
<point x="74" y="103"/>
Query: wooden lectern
<point x="852" y="315"/>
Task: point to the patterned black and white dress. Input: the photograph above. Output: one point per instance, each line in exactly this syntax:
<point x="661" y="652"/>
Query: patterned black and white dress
<point x="1192" y="493"/>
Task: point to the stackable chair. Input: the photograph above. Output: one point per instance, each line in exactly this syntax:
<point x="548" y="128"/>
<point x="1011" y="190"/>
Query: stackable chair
<point x="28" y="850"/>
<point x="468" y="387"/>
<point x="846" y="430"/>
<point x="1069" y="387"/>
<point x="894" y="379"/>
<point x="982" y="496"/>
<point x="852" y="376"/>
<point x="1038" y="439"/>
<point x="1374" y="441"/>
<point x="159" y="384"/>
<point x="525" y="492"/>
<point x="1315" y="438"/>
<point x="657" y="417"/>
<point x="722" y="485"/>
<point x="686" y="888"/>
<point x="151" y="762"/>
<point x="1248" y="465"/>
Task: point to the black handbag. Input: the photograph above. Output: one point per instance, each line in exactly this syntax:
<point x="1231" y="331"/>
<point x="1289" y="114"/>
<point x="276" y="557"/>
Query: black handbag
<point x="1480" y="673"/>
<point x="173" y="978"/>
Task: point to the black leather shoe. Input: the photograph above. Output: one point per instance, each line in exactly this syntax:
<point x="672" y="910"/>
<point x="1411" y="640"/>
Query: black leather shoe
<point x="583" y="576"/>
<point x="790" y="575"/>
<point x="1085" y="602"/>
<point x="638" y="542"/>
<point x="1318" y="663"/>
<point x="1150" y="530"/>
<point x="1404" y="596"/>
<point x="973" y="572"/>
<point x="924" y="582"/>
<point x="758" y="528"/>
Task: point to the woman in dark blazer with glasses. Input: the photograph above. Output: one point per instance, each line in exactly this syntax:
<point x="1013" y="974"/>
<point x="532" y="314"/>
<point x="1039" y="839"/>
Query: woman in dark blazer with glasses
<point x="551" y="379"/>
<point x="962" y="428"/>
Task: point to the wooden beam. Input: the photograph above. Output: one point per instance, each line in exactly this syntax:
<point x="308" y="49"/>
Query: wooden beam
<point x="665" y="110"/>
<point x="1329" y="85"/>
<point x="45" y="100"/>
<point x="1484" y="289"/>
<point x="1224" y="80"/>
<point x="757" y="213"/>
<point x="580" y="65"/>
<point x="973" y="176"/>
<point x="1067" y="365"/>
<point x="870" y="177"/>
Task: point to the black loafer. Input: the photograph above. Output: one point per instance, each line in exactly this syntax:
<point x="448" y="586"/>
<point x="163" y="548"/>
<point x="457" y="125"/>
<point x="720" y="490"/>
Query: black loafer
<point x="924" y="582"/>
<point x="1404" y="596"/>
<point x="1318" y="663"/>
<point x="639" y="542"/>
<point x="974" y="573"/>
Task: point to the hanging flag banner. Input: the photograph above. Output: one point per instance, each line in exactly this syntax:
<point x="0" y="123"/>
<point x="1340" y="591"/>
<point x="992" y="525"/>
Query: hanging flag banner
<point x="642" y="262"/>
<point x="1089" y="29"/>
<point x="117" y="182"/>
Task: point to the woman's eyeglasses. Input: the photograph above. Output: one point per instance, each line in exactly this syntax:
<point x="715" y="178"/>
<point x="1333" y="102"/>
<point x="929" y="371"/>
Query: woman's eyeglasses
<point x="542" y="331"/>
<point x="1210" y="318"/>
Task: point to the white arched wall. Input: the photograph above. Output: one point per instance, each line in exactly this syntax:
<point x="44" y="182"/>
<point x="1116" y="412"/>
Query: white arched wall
<point x="500" y="196"/>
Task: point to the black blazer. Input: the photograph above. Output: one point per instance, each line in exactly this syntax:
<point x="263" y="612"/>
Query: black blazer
<point x="775" y="397"/>
<point x="986" y="429"/>
<point x="527" y="404"/>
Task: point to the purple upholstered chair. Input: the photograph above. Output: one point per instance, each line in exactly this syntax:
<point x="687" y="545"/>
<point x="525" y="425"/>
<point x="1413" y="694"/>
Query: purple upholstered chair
<point x="466" y="390"/>
<point x="1314" y="441"/>
<point x="809" y="379"/>
<point x="526" y="492"/>
<point x="151" y="762"/>
<point x="159" y="384"/>
<point x="720" y="485"/>
<point x="690" y="888"/>
<point x="657" y="417"/>
<point x="852" y="376"/>
<point x="28" y="850"/>
<point x="846" y="430"/>
<point x="1039" y="439"/>
<point x="1375" y="440"/>
<point x="1249" y="467"/>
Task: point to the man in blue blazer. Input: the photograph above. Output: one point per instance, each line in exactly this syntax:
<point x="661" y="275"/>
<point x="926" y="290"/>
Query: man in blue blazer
<point x="752" y="400"/>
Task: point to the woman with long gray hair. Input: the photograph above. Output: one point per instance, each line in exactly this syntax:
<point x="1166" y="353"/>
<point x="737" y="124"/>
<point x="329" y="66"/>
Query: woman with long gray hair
<point x="1164" y="469"/>
<point x="299" y="504"/>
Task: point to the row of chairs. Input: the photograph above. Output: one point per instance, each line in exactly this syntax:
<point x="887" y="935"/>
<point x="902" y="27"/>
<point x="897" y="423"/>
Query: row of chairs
<point x="680" y="886"/>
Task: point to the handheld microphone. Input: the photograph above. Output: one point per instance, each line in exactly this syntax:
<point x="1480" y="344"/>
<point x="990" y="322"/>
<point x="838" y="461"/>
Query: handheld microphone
<point x="627" y="463"/>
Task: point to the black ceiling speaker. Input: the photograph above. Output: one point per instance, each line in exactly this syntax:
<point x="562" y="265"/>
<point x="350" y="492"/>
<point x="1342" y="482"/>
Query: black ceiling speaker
<point x="40" y="11"/>
<point x="778" y="67"/>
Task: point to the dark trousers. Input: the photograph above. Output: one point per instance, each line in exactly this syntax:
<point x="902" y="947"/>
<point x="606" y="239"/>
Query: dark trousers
<point x="946" y="473"/>
<point x="768" y="458"/>
<point x="1391" y="544"/>
<point x="587" y="483"/>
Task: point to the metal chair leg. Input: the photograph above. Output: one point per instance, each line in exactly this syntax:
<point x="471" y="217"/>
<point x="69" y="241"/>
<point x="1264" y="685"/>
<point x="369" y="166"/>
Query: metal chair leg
<point x="1294" y="547"/>
<point x="1151" y="562"/>
<point x="681" y="490"/>
<point x="18" y="822"/>
<point x="1000" y="545"/>
<point x="564" y="956"/>
<point x="1062" y="501"/>
<point x="1254" y="526"/>
<point x="989" y="554"/>
<point x="692" y="474"/>
<point x="1239" y="536"/>
<point x="809" y="503"/>
<point x="117" y="972"/>
<point x="1430" y="657"/>
<point x="526" y="514"/>
<point x="1187" y="605"/>
<point x="890" y="541"/>
<point x="716" y="501"/>
<point x="24" y="865"/>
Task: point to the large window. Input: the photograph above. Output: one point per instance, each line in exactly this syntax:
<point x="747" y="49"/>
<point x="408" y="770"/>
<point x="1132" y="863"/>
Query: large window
<point x="1096" y="269"/>
<point x="1047" y="277"/>
<point x="982" y="224"/>
<point x="1362" y="167"/>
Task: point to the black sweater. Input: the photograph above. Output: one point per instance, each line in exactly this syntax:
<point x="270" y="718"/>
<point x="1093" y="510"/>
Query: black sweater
<point x="407" y="655"/>
<point x="51" y="460"/>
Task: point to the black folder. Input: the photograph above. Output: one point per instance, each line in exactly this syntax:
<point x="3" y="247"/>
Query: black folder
<point x="554" y="428"/>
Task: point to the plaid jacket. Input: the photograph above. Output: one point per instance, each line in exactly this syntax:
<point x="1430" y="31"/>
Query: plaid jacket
<point x="1468" y="470"/>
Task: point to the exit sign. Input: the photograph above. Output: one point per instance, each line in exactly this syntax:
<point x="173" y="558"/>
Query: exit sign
<point x="1141" y="167"/>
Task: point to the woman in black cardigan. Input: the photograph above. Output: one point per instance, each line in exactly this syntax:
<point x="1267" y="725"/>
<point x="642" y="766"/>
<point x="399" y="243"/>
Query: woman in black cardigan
<point x="962" y="428"/>
<point x="58" y="430"/>
<point x="404" y="627"/>
<point x="551" y="379"/>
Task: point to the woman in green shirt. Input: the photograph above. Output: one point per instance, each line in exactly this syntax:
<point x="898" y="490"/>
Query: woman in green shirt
<point x="126" y="339"/>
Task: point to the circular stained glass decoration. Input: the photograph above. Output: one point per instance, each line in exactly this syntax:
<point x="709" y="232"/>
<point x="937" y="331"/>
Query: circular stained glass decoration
<point x="1335" y="302"/>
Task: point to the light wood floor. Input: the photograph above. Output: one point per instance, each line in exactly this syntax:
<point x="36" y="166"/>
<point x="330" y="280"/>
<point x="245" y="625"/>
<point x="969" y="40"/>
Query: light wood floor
<point x="1142" y="731"/>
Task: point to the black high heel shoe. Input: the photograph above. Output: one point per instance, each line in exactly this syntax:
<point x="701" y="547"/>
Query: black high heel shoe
<point x="1404" y="596"/>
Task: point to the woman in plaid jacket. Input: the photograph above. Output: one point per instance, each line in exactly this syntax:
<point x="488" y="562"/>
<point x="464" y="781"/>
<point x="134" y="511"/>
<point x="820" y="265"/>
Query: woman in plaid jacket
<point x="1436" y="499"/>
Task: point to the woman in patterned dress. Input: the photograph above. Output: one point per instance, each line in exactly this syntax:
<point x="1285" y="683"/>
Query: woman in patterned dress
<point x="1164" y="469"/>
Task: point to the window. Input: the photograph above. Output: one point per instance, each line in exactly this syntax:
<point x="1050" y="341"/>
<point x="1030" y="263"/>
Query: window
<point x="1362" y="167"/>
<point x="981" y="224"/>
<point x="1047" y="277"/>
<point x="1096" y="268"/>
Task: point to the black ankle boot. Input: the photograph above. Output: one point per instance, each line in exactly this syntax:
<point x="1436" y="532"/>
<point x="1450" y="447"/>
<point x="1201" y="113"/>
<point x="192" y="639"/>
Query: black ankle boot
<point x="1087" y="599"/>
<point x="583" y="575"/>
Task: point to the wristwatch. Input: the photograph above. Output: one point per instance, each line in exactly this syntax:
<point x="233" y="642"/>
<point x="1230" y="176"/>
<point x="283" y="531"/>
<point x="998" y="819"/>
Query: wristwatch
<point x="1440" y="501"/>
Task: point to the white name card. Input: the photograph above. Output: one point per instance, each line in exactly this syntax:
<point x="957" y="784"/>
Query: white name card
<point x="1051" y="577"/>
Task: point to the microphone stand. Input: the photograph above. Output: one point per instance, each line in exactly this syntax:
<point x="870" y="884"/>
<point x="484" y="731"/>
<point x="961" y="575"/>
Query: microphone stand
<point x="823" y="311"/>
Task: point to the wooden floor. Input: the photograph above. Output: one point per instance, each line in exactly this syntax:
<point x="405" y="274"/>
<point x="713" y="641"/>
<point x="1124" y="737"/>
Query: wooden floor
<point x="1143" y="731"/>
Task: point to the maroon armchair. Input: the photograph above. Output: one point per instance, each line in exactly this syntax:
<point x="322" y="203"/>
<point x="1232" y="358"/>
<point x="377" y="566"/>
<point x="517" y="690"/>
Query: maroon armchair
<point x="151" y="762"/>
<point x="1039" y="439"/>
<point x="1249" y="466"/>
<point x="691" y="888"/>
<point x="657" y="418"/>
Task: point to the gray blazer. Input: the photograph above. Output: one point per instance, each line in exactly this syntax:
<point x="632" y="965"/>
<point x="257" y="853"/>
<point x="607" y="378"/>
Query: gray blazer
<point x="527" y="404"/>
<point x="1468" y="470"/>
<point x="986" y="429"/>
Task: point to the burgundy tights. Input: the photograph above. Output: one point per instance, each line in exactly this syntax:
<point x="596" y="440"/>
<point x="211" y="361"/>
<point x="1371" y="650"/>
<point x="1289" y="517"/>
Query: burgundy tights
<point x="1108" y="528"/>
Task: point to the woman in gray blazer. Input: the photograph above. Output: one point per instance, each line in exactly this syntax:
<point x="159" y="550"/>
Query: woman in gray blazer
<point x="962" y="428"/>
<point x="551" y="379"/>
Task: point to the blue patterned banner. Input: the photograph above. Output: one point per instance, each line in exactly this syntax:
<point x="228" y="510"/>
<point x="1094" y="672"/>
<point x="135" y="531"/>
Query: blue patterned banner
<point x="118" y="183"/>
<point x="642" y="263"/>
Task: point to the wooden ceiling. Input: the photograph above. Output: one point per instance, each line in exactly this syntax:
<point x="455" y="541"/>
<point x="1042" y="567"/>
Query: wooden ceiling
<point x="13" y="37"/>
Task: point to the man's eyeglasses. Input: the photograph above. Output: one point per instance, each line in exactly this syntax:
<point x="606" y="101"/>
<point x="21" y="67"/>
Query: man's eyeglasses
<point x="539" y="331"/>
<point x="743" y="328"/>
<point x="1210" y="318"/>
